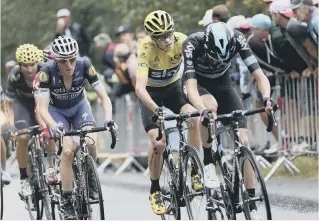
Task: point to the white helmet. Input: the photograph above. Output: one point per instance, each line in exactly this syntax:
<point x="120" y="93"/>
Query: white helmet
<point x="219" y="41"/>
<point x="282" y="7"/>
<point x="64" y="47"/>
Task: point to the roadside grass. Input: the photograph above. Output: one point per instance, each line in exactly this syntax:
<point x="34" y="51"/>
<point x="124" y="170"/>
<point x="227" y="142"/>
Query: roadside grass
<point x="307" y="165"/>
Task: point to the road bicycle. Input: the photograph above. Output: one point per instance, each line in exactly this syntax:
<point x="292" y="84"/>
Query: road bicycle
<point x="233" y="178"/>
<point x="87" y="190"/>
<point x="177" y="191"/>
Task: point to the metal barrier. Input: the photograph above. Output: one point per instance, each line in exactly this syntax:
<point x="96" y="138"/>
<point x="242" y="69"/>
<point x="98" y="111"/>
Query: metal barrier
<point x="133" y="141"/>
<point x="298" y="123"/>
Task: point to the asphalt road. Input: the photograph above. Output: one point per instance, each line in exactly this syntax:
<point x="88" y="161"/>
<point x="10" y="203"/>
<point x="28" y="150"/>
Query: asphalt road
<point x="130" y="202"/>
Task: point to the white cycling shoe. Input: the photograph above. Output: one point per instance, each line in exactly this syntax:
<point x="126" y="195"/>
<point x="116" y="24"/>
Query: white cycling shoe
<point x="6" y="177"/>
<point x="210" y="177"/>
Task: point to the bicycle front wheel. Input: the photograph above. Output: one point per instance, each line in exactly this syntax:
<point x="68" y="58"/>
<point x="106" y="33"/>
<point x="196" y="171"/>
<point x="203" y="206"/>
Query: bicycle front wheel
<point x="95" y="204"/>
<point x="169" y="189"/>
<point x="195" y="197"/>
<point x="255" y="196"/>
<point x="45" y="198"/>
<point x="1" y="196"/>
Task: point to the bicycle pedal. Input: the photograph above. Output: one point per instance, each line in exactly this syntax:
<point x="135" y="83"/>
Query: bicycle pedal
<point x="238" y="208"/>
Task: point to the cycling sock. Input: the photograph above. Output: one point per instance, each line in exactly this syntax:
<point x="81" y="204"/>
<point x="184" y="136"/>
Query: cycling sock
<point x="50" y="159"/>
<point x="67" y="194"/>
<point x="23" y="173"/>
<point x="251" y="194"/>
<point x="3" y="166"/>
<point x="208" y="156"/>
<point x="155" y="186"/>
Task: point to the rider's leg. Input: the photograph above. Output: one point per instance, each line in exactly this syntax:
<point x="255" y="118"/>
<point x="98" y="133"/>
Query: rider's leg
<point x="249" y="174"/>
<point x="6" y="177"/>
<point x="193" y="132"/>
<point x="155" y="160"/>
<point x="66" y="164"/>
<point x="211" y="179"/>
<point x="84" y="118"/>
<point x="92" y="148"/>
<point x="3" y="154"/>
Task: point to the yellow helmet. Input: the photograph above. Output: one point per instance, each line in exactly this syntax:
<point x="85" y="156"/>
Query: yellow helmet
<point x="27" y="53"/>
<point x="158" y="22"/>
<point x="40" y="53"/>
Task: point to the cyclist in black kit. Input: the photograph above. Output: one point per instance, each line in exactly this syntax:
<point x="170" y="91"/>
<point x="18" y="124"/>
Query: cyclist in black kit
<point x="207" y="57"/>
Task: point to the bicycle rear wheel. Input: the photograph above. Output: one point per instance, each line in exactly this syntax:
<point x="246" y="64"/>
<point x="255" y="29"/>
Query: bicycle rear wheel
<point x="33" y="202"/>
<point x="260" y="200"/>
<point x="168" y="188"/>
<point x="95" y="203"/>
<point x="195" y="200"/>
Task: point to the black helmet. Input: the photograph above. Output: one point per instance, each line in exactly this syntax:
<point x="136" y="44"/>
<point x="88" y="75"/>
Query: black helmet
<point x="219" y="41"/>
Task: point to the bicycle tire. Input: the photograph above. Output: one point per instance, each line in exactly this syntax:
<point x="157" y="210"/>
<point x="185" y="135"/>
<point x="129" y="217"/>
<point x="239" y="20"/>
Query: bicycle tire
<point x="43" y="186"/>
<point x="77" y="190"/>
<point x="247" y="153"/>
<point x="225" y="193"/>
<point x="90" y="164"/>
<point x="1" y="196"/>
<point x="37" y="205"/>
<point x="191" y="152"/>
<point x="35" y="197"/>
<point x="55" y="191"/>
<point x="172" y="190"/>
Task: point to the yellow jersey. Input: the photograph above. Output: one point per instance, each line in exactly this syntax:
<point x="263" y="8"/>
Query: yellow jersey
<point x="161" y="67"/>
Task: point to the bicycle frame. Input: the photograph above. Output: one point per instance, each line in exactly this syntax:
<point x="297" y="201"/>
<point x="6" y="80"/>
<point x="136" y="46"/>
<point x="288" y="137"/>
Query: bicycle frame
<point x="178" y="174"/>
<point x="237" y="151"/>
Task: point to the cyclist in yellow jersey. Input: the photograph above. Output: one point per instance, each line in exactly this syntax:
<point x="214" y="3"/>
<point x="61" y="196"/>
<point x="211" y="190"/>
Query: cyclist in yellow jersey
<point x="158" y="84"/>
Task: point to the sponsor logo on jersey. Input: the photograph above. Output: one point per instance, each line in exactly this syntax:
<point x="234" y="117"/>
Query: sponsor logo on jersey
<point x="157" y="58"/>
<point x="73" y="89"/>
<point x="189" y="50"/>
<point x="242" y="41"/>
<point x="44" y="78"/>
<point x="175" y="59"/>
<point x="142" y="55"/>
<point x="142" y="64"/>
<point x="188" y="62"/>
<point x="36" y="83"/>
<point x="15" y="77"/>
<point x="92" y="71"/>
<point x="165" y="74"/>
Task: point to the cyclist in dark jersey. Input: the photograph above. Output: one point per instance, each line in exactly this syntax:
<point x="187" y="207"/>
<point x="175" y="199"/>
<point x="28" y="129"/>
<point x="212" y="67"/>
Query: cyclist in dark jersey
<point x="19" y="91"/>
<point x="60" y="89"/>
<point x="207" y="57"/>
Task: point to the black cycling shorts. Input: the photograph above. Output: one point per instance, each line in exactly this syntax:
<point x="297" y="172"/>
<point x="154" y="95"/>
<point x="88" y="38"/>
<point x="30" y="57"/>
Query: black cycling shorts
<point x="24" y="115"/>
<point x="225" y="94"/>
<point x="170" y="96"/>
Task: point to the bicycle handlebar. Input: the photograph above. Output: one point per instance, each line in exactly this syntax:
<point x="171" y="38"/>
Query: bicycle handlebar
<point x="34" y="130"/>
<point x="178" y="117"/>
<point x="239" y="113"/>
<point x="83" y="132"/>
